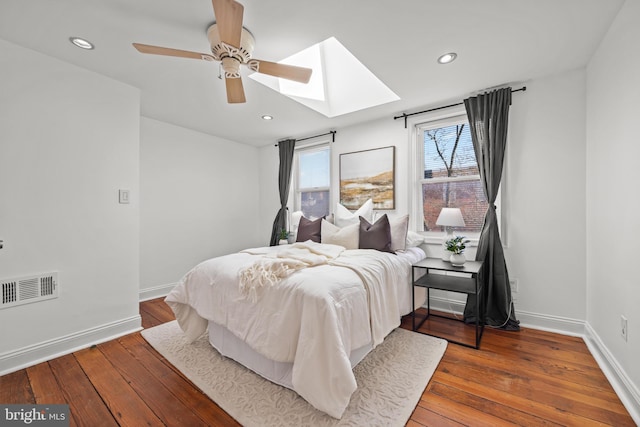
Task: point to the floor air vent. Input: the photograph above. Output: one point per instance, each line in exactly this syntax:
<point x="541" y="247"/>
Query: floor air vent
<point x="24" y="290"/>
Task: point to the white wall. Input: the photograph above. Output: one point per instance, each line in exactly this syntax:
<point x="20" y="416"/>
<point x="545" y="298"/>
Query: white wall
<point x="613" y="228"/>
<point x="544" y="194"/>
<point x="199" y="199"/>
<point x="68" y="142"/>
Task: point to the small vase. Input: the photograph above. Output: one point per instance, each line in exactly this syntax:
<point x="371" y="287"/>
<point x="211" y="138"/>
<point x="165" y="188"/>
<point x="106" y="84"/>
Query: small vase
<point x="457" y="260"/>
<point x="283" y="242"/>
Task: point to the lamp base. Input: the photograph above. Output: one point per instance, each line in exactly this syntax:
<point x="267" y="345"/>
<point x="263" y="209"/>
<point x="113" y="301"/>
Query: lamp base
<point x="446" y="255"/>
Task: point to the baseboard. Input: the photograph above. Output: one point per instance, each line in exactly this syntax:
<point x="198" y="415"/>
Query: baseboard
<point x="625" y="389"/>
<point x="156" y="291"/>
<point x="446" y="305"/>
<point x="47" y="350"/>
<point x="550" y="323"/>
<point x="623" y="386"/>
<point x="545" y="322"/>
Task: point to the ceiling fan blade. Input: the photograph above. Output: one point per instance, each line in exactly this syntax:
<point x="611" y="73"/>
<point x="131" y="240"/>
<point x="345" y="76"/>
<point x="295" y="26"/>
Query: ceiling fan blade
<point x="235" y="90"/>
<point x="229" y="19"/>
<point x="158" y="50"/>
<point x="289" y="72"/>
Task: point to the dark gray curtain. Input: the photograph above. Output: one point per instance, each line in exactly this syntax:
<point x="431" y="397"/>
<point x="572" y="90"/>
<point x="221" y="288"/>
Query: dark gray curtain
<point x="488" y="116"/>
<point x="284" y="180"/>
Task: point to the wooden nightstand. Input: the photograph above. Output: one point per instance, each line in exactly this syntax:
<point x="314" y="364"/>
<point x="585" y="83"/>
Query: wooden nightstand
<point x="466" y="285"/>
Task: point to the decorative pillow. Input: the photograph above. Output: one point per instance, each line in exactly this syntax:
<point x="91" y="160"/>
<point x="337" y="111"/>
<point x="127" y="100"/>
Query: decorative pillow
<point x="295" y="220"/>
<point x="414" y="239"/>
<point x="399" y="229"/>
<point x="375" y="236"/>
<point x="309" y="230"/>
<point x="345" y="236"/>
<point x="344" y="217"/>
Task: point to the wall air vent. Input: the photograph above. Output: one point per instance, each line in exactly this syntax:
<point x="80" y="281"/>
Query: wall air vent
<point x="24" y="290"/>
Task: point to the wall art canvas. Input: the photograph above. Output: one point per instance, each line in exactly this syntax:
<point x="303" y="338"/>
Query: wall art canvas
<point x="368" y="174"/>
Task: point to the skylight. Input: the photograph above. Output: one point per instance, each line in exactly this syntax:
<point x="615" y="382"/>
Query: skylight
<point x="340" y="84"/>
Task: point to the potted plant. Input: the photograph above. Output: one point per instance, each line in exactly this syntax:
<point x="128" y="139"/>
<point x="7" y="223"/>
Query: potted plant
<point x="284" y="237"/>
<point x="456" y="246"/>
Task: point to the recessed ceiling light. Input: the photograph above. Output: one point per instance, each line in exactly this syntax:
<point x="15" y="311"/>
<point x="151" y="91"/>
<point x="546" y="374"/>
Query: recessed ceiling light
<point x="81" y="43"/>
<point x="447" y="58"/>
<point x="267" y="117"/>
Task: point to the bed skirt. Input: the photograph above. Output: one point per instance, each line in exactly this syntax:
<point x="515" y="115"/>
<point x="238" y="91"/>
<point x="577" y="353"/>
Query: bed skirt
<point x="279" y="373"/>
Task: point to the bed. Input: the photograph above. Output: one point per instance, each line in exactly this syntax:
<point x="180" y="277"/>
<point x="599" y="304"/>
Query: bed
<point x="301" y="315"/>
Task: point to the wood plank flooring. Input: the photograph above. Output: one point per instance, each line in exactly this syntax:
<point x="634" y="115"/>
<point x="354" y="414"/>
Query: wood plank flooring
<point x="529" y="378"/>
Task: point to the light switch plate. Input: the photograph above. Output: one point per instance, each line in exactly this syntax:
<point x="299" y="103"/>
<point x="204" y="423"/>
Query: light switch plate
<point x="123" y="197"/>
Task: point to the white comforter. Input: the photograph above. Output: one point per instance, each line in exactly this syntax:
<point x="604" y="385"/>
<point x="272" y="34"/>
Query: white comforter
<point x="313" y="317"/>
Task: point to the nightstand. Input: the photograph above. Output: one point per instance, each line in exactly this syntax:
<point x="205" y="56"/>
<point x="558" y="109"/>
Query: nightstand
<point x="432" y="279"/>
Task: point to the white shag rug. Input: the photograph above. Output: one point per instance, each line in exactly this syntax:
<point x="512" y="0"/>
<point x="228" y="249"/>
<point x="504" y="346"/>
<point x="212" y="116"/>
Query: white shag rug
<point x="391" y="380"/>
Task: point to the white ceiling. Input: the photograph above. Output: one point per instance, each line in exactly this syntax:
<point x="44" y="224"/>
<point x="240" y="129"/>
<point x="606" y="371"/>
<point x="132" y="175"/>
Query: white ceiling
<point x="497" y="41"/>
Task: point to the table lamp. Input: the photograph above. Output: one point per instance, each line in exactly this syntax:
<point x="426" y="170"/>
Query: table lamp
<point x="449" y="218"/>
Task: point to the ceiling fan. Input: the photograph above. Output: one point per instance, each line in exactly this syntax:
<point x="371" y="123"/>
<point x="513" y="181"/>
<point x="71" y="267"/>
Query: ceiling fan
<point x="232" y="44"/>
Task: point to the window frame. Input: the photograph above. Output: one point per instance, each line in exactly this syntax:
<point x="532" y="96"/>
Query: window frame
<point x="295" y="194"/>
<point x="441" y="118"/>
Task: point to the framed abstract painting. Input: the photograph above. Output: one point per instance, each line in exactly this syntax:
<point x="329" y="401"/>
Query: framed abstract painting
<point x="368" y="174"/>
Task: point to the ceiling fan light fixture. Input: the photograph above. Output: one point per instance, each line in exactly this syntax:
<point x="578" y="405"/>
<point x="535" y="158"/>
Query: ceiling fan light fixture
<point x="221" y="49"/>
<point x="232" y="45"/>
<point x="267" y="117"/>
<point x="447" y="58"/>
<point x="231" y="67"/>
<point x="81" y="43"/>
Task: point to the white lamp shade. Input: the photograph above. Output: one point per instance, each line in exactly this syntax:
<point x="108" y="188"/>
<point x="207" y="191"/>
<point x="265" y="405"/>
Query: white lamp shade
<point x="450" y="217"/>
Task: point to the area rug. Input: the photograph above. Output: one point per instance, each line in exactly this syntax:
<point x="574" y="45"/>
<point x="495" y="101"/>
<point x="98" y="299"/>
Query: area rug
<point x="390" y="380"/>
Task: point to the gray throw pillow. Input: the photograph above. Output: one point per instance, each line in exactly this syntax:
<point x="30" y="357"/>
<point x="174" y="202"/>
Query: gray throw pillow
<point x="309" y="230"/>
<point x="377" y="235"/>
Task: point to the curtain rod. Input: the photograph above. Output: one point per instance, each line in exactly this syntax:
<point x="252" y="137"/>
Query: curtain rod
<point x="405" y="115"/>
<point x="331" y="132"/>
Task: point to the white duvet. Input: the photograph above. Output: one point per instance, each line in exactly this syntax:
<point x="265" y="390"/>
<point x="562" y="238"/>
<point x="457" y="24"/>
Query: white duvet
<point x="312" y="315"/>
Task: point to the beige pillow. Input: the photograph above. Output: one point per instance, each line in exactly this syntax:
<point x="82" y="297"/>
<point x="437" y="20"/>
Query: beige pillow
<point x="348" y="236"/>
<point x="399" y="228"/>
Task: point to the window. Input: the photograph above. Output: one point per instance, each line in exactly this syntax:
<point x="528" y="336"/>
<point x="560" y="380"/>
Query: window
<point x="312" y="181"/>
<point x="448" y="175"/>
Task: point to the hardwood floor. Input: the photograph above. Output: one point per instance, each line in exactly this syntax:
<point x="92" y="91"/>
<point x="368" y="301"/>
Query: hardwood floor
<point x="527" y="378"/>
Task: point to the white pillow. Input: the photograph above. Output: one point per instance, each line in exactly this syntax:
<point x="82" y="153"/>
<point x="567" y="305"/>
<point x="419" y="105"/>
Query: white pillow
<point x="399" y="228"/>
<point x="330" y="218"/>
<point x="343" y="216"/>
<point x="414" y="239"/>
<point x="348" y="237"/>
<point x="295" y="220"/>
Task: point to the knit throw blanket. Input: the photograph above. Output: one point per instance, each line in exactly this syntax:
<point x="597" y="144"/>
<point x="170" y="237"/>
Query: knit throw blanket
<point x="279" y="262"/>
